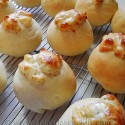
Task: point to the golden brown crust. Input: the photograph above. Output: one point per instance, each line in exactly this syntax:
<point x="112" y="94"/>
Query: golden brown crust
<point x="11" y="24"/>
<point x="114" y="42"/>
<point x="14" y="22"/>
<point x="51" y="60"/>
<point x="69" y="20"/>
<point x="118" y="21"/>
<point x="116" y="112"/>
<point x="34" y="66"/>
<point x="3" y="3"/>
<point x="54" y="60"/>
<point x="106" y="110"/>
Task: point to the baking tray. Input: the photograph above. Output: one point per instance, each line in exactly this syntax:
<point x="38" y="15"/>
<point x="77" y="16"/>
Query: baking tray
<point x="14" y="113"/>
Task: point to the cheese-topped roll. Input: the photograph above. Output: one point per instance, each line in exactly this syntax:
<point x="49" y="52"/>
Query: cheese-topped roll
<point x="70" y="33"/>
<point x="99" y="12"/>
<point x="6" y="7"/>
<point x="106" y="110"/>
<point x="107" y="63"/>
<point x="41" y="82"/>
<point x="19" y="34"/>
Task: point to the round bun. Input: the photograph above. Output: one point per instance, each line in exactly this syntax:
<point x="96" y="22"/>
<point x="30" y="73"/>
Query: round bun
<point x="99" y="12"/>
<point x="70" y="33"/>
<point x="41" y="82"/>
<point x="106" y="110"/>
<point x="6" y="7"/>
<point x="19" y="34"/>
<point x="28" y="3"/>
<point x="52" y="7"/>
<point x="107" y="63"/>
<point x="118" y="21"/>
<point x="3" y="79"/>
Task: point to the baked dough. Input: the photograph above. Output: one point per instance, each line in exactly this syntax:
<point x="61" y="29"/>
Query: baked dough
<point x="6" y="7"/>
<point x="118" y="21"/>
<point x="28" y="3"/>
<point x="107" y="63"/>
<point x="52" y="7"/>
<point x="41" y="82"/>
<point x="3" y="79"/>
<point x="19" y="34"/>
<point x="99" y="12"/>
<point x="106" y="110"/>
<point x="70" y="33"/>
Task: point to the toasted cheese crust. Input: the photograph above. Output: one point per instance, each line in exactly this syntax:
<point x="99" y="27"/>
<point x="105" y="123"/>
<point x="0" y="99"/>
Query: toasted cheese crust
<point x="106" y="110"/>
<point x="33" y="67"/>
<point x="17" y="21"/>
<point x="69" y="20"/>
<point x="99" y="12"/>
<point x="3" y="3"/>
<point x="114" y="42"/>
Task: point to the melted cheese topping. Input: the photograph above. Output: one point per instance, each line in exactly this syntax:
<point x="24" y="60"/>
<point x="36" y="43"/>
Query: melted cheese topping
<point x="3" y="3"/>
<point x="106" y="110"/>
<point x="17" y="21"/>
<point x="33" y="67"/>
<point x="114" y="42"/>
<point x="69" y="20"/>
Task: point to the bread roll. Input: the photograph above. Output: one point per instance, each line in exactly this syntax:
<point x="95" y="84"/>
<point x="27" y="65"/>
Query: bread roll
<point x="43" y="81"/>
<point x="3" y="78"/>
<point x="118" y="21"/>
<point x="106" y="110"/>
<point x="28" y="3"/>
<point x="19" y="34"/>
<point x="6" y="7"/>
<point x="52" y="7"/>
<point x="99" y="12"/>
<point x="107" y="63"/>
<point x="70" y="33"/>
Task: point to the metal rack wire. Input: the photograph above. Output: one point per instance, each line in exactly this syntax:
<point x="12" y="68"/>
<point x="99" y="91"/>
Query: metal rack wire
<point x="14" y="113"/>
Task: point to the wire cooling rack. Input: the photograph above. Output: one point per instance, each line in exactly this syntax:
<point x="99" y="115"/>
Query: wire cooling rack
<point x="14" y="113"/>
